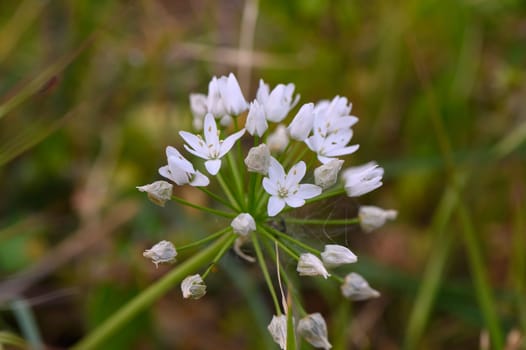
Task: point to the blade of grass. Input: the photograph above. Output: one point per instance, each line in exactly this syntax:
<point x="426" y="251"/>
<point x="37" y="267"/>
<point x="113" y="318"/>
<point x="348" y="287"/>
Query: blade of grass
<point x="27" y="323"/>
<point x="24" y="15"/>
<point x="36" y="84"/>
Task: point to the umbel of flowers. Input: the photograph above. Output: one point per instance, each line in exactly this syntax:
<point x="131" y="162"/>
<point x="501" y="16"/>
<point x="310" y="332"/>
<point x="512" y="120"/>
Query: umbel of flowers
<point x="288" y="166"/>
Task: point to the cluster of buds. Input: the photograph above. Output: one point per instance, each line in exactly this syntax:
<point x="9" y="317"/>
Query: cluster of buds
<point x="267" y="181"/>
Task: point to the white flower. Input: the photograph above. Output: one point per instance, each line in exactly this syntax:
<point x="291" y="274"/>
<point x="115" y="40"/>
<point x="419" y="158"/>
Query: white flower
<point x="335" y="255"/>
<point x="332" y="116"/>
<point x="362" y="179"/>
<point x="310" y="265"/>
<point x="301" y="126"/>
<point x="326" y="175"/>
<point x="158" y="192"/>
<point x="372" y="217"/>
<point x="193" y="287"/>
<point x="256" y="123"/>
<point x="162" y="252"/>
<point x="356" y="288"/>
<point x="314" y="330"/>
<point x="181" y="171"/>
<point x="278" y="102"/>
<point x="243" y="224"/>
<point x="286" y="189"/>
<point x="258" y="159"/>
<point x="225" y="97"/>
<point x="279" y="139"/>
<point x="199" y="109"/>
<point x="211" y="148"/>
<point x="332" y="145"/>
<point x="278" y="330"/>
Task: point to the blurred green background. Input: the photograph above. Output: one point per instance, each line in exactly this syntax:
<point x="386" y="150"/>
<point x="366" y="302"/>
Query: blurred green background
<point x="93" y="91"/>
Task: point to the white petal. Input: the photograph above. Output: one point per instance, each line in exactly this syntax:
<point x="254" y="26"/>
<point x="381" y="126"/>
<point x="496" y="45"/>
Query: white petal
<point x="163" y="171"/>
<point x="275" y="205"/>
<point x="227" y="144"/>
<point x="342" y="151"/>
<point x="213" y="166"/>
<point x="210" y="131"/>
<point x="193" y="141"/>
<point x="307" y="191"/>
<point x="295" y="174"/>
<point x="275" y="171"/>
<point x="295" y="201"/>
<point x="199" y="180"/>
<point x="270" y="186"/>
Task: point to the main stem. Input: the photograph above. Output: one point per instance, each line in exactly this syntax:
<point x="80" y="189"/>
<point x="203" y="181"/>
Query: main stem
<point x="96" y="339"/>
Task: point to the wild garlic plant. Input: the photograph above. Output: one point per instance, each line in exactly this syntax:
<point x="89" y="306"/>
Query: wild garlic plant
<point x="257" y="186"/>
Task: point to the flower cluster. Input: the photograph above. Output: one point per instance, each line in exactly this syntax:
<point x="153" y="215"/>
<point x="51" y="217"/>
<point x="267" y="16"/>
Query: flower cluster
<point x="287" y="167"/>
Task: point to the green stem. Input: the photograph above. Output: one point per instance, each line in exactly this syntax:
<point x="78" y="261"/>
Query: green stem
<point x="217" y="198"/>
<point x="292" y="240"/>
<point x="323" y="221"/>
<point x="443" y="242"/>
<point x="97" y="338"/>
<point x="264" y="270"/>
<point x="283" y="246"/>
<point x="233" y="200"/>
<point x="220" y="254"/>
<point x="484" y="293"/>
<point x="205" y="209"/>
<point x="204" y="240"/>
<point x="237" y="180"/>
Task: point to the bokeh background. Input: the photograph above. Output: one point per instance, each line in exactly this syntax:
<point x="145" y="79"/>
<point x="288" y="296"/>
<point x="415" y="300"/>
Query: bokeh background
<point x="93" y="91"/>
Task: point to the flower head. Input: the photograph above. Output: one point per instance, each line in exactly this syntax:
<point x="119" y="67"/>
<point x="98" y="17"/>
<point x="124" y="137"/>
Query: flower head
<point x="225" y="97"/>
<point x="278" y="102"/>
<point x="372" y="217"/>
<point x="362" y="179"/>
<point x="211" y="148"/>
<point x="314" y="330"/>
<point x="310" y="265"/>
<point x="193" y="287"/>
<point x="162" y="252"/>
<point x="158" y="192"/>
<point x="256" y="123"/>
<point x="301" y="125"/>
<point x="285" y="189"/>
<point x="181" y="171"/>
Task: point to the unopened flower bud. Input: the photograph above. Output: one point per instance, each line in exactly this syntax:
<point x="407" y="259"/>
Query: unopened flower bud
<point x="279" y="139"/>
<point x="335" y="255"/>
<point x="314" y="330"/>
<point x="326" y="175"/>
<point x="356" y="288"/>
<point x="243" y="224"/>
<point x="193" y="287"/>
<point x="278" y="330"/>
<point x="199" y="109"/>
<point x="372" y="217"/>
<point x="158" y="192"/>
<point x="301" y="126"/>
<point x="162" y="252"/>
<point x="310" y="265"/>
<point x="258" y="159"/>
